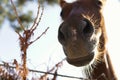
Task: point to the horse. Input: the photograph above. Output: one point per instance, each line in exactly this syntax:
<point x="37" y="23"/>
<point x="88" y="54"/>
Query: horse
<point x="83" y="37"/>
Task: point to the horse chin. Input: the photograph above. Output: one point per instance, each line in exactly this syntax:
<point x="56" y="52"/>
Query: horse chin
<point x="81" y="61"/>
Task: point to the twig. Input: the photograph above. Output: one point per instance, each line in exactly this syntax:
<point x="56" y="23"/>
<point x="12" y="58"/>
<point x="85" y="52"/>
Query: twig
<point x="37" y="71"/>
<point x="36" y="23"/>
<point x="39" y="36"/>
<point x="55" y="74"/>
<point x="56" y="65"/>
<point x="18" y="19"/>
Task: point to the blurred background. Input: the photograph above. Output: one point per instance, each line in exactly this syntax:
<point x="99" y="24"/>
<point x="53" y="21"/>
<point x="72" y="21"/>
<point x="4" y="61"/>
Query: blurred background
<point x="45" y="53"/>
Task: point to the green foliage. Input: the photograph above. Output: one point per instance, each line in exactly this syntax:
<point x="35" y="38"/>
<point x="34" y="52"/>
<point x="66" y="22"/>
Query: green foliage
<point x="51" y="1"/>
<point x="7" y="12"/>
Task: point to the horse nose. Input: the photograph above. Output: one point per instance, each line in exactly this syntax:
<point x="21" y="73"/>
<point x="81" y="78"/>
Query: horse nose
<point x="72" y="31"/>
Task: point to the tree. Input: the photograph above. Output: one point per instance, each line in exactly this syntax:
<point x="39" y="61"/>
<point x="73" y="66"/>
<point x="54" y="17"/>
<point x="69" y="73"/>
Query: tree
<point x="7" y="72"/>
<point x="7" y="13"/>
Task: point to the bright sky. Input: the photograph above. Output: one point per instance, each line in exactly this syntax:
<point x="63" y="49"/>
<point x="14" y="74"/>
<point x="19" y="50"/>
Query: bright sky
<point x="39" y="54"/>
<point x="112" y="16"/>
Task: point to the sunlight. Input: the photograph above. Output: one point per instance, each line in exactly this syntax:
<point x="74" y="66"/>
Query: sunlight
<point x="70" y="0"/>
<point x="111" y="14"/>
<point x="47" y="51"/>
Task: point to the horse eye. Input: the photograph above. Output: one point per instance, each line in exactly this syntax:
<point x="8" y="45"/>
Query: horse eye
<point x="65" y="11"/>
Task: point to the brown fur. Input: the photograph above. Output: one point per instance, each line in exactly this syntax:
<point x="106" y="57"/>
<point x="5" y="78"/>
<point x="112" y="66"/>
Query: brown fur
<point x="76" y="45"/>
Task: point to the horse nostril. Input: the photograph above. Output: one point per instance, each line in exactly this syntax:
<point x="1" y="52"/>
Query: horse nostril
<point x="88" y="28"/>
<point x="61" y="36"/>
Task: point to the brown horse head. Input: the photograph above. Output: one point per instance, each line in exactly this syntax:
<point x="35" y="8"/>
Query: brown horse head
<point x="82" y="33"/>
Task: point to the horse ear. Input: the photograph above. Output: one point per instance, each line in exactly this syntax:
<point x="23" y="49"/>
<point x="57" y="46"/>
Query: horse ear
<point x="100" y="3"/>
<point x="62" y="3"/>
<point x="103" y="1"/>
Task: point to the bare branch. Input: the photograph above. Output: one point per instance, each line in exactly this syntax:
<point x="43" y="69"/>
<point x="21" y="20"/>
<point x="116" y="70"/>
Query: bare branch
<point x="18" y="19"/>
<point x="38" y="17"/>
<point x="39" y="36"/>
<point x="37" y="71"/>
<point x="56" y="66"/>
<point x="18" y="34"/>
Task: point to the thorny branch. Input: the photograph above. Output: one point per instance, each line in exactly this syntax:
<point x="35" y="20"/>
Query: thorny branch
<point x="26" y="36"/>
